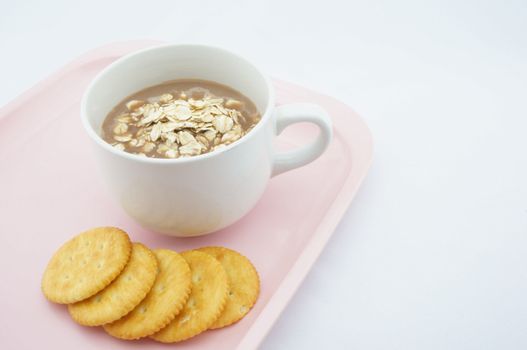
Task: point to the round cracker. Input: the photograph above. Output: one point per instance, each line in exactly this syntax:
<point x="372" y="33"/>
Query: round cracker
<point x="243" y="282"/>
<point x="86" y="264"/>
<point x="165" y="300"/>
<point x="206" y="301"/>
<point x="123" y="294"/>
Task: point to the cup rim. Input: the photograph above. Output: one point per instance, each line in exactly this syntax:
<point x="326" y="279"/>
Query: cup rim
<point x="105" y="145"/>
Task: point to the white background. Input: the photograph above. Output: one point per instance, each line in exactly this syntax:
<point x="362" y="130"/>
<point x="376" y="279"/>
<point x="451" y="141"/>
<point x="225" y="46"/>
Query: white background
<point x="432" y="254"/>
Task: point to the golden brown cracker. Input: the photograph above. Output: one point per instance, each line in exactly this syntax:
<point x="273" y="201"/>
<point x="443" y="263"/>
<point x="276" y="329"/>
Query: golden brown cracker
<point x="164" y="301"/>
<point x="206" y="301"/>
<point x="244" y="284"/>
<point x="123" y="294"/>
<point x="86" y="264"/>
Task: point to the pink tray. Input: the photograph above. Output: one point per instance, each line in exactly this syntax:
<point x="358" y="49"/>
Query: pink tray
<point x="50" y="189"/>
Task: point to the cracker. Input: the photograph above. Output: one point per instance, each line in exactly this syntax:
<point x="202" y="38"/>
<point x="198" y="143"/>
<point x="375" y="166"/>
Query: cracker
<point x="123" y="294"/>
<point x="165" y="300"/>
<point x="206" y="301"/>
<point x="243" y="282"/>
<point x="86" y="264"/>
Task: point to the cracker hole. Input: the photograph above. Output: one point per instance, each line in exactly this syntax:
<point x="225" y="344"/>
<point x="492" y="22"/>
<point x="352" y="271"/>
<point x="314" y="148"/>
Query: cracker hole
<point x="243" y="309"/>
<point x="128" y="278"/>
<point x="142" y="309"/>
<point x="99" y="265"/>
<point x="98" y="298"/>
<point x="184" y="319"/>
<point x="101" y="246"/>
<point x="197" y="278"/>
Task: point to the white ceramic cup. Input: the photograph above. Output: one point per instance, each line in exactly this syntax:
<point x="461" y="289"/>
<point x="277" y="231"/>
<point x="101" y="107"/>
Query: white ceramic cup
<point x="196" y="195"/>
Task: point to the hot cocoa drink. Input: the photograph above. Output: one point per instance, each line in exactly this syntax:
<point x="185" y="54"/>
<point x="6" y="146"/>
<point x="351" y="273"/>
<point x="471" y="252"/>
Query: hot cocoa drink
<point x="180" y="118"/>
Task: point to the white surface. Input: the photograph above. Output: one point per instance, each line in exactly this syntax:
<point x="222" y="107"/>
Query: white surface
<point x="432" y="253"/>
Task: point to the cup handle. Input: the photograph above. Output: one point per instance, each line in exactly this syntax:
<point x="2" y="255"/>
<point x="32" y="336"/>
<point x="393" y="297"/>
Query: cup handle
<point x="296" y="113"/>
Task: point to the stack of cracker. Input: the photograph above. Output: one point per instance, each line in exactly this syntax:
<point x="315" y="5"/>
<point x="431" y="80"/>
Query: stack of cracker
<point x="133" y="292"/>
